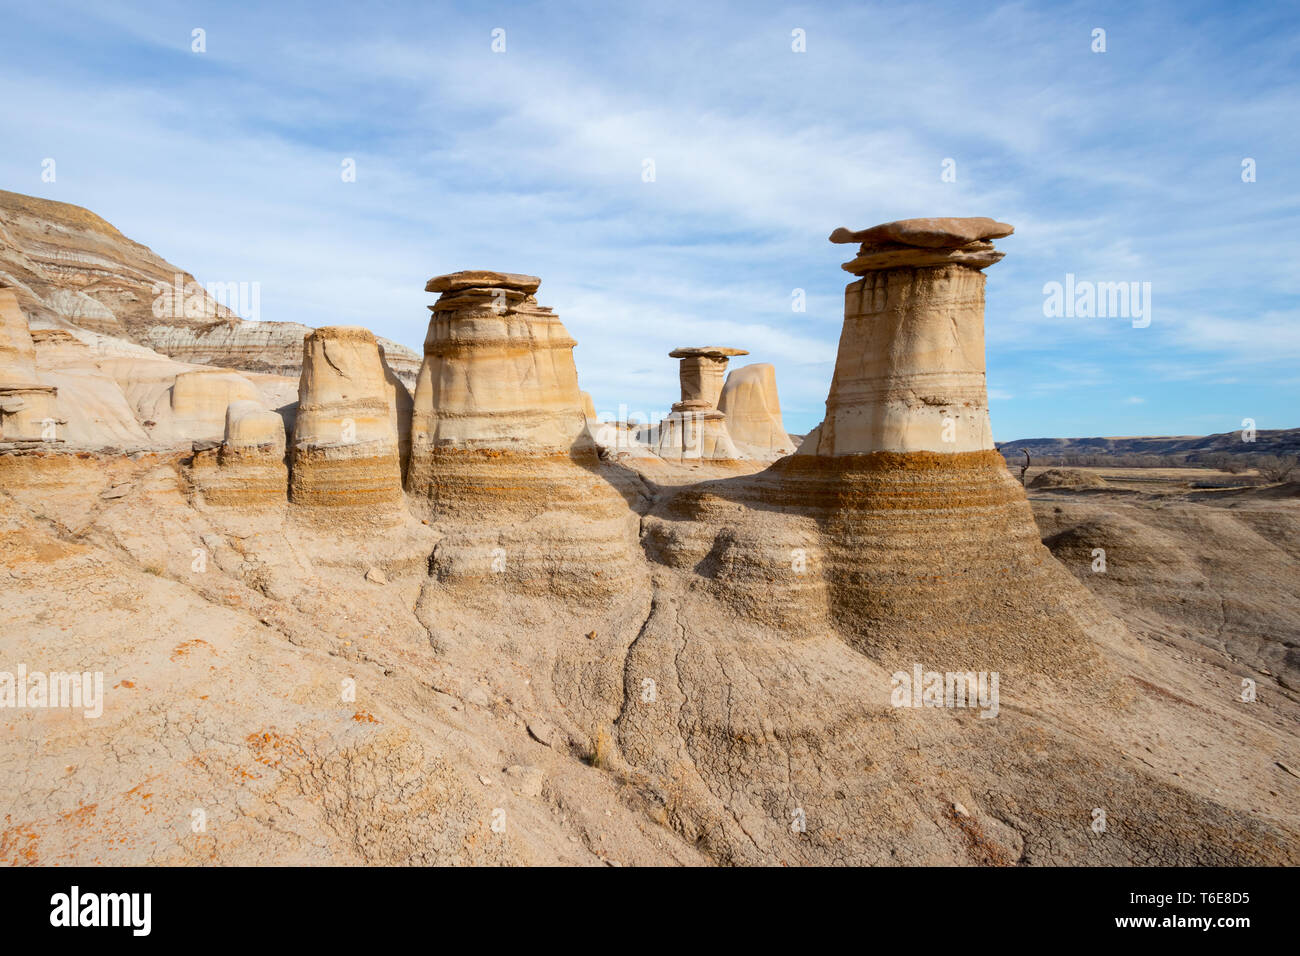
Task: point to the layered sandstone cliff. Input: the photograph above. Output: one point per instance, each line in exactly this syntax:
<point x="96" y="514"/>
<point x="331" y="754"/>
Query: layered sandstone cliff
<point x="27" y="404"/>
<point x="72" y="269"/>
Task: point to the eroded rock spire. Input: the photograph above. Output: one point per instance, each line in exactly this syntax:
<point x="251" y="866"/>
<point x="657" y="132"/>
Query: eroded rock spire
<point x="909" y="374"/>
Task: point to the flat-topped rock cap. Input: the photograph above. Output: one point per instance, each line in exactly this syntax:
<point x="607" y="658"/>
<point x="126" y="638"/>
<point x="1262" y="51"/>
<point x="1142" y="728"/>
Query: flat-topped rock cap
<point x="712" y="351"/>
<point x="929" y="233"/>
<point x="482" y="278"/>
<point x="343" y="333"/>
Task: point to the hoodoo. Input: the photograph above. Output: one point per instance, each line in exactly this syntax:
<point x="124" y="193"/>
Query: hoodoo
<point x="247" y="469"/>
<point x="695" y="428"/>
<point x="500" y="447"/>
<point x="199" y="399"/>
<point x="909" y="375"/>
<point x="914" y="510"/>
<point x="498" y="372"/>
<point x="753" y="411"/>
<point x="345" y="438"/>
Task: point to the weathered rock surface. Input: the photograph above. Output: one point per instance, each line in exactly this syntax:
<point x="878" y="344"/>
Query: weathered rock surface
<point x="116" y="395"/>
<point x="199" y="399"/>
<point x="1212" y="573"/>
<point x="909" y="375"/>
<point x="27" y="404"/>
<point x="72" y="269"/>
<point x="695" y="429"/>
<point x="500" y="448"/>
<point x="630" y="664"/>
<point x="498" y="371"/>
<point x="248" y="469"/>
<point x="753" y="409"/>
<point x="940" y="233"/>
<point x="273" y="348"/>
<point x="924" y="242"/>
<point x="468" y="279"/>
<point x="346" y="446"/>
<point x="1067" y="478"/>
<point x="702" y="371"/>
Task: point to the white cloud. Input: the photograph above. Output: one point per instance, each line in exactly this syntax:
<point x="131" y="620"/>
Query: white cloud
<point x="531" y="161"/>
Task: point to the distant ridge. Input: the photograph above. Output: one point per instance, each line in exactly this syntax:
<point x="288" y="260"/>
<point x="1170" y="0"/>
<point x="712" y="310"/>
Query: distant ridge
<point x="1281" y="441"/>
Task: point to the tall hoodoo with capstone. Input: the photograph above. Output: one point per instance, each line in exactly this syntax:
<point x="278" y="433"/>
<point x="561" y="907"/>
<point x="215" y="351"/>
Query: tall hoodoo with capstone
<point x="498" y="372"/>
<point x="914" y="540"/>
<point x="909" y="375"/>
<point x="500" y="447"/>
<point x="695" y="428"/>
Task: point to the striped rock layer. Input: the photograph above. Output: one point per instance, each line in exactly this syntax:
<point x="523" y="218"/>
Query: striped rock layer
<point x="346" y="448"/>
<point x="500" y="450"/>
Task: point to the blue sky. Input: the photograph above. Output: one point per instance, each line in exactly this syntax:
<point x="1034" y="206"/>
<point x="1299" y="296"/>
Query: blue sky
<point x="1116" y="166"/>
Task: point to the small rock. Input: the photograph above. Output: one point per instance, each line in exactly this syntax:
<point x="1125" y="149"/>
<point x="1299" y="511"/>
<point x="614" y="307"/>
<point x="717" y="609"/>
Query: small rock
<point x="961" y="811"/>
<point x="484" y="780"/>
<point x="205" y="445"/>
<point x="591" y="635"/>
<point x="377" y="576"/>
<point x="117" y="491"/>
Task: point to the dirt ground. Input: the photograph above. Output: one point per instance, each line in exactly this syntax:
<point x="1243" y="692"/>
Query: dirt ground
<point x="281" y="691"/>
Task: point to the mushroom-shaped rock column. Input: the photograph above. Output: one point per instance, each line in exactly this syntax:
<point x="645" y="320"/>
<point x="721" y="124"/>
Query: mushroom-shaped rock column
<point x="703" y="371"/>
<point x="696" y="428"/>
<point x="501" y="451"/>
<point x="912" y="547"/>
<point x="909" y="375"/>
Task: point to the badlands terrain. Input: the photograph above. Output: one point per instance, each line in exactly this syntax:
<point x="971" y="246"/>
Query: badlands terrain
<point x="352" y="605"/>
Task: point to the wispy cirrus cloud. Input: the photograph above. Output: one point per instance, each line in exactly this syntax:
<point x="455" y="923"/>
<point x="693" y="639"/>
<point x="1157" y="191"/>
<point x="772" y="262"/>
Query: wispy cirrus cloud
<point x="227" y="162"/>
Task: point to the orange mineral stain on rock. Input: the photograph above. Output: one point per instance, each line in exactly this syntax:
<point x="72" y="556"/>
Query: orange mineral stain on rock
<point x="182" y="649"/>
<point x="272" y="749"/>
<point x="18" y="845"/>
